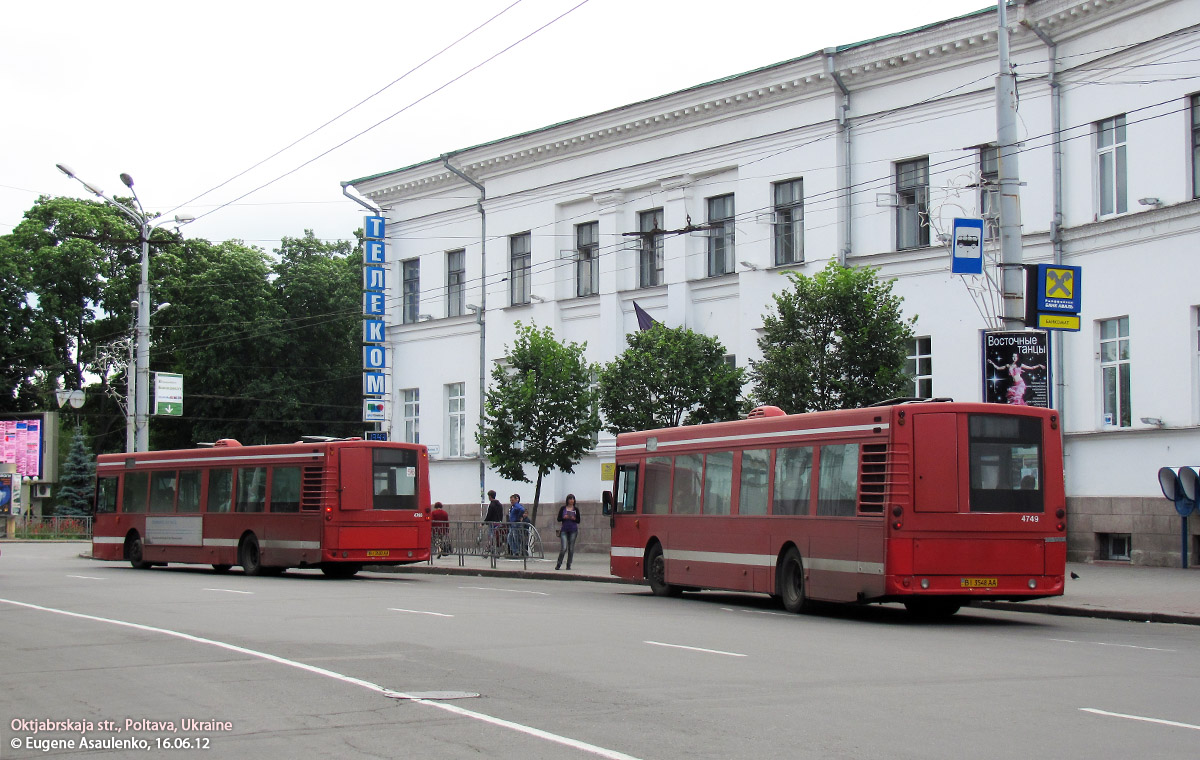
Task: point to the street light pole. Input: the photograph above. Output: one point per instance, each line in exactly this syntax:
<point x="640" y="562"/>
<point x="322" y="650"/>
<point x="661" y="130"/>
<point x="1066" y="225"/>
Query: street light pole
<point x="141" y="374"/>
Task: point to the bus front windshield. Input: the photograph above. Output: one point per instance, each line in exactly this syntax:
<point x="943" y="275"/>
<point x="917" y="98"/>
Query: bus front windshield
<point x="1006" y="463"/>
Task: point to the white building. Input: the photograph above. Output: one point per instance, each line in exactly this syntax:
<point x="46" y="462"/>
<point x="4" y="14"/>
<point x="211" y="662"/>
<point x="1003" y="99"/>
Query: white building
<point x="863" y="153"/>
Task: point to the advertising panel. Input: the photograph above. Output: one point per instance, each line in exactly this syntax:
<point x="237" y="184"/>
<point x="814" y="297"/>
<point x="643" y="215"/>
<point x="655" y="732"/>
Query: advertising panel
<point x="1016" y="368"/>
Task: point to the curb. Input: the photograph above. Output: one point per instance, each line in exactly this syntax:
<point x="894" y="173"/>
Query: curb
<point x="1037" y="607"/>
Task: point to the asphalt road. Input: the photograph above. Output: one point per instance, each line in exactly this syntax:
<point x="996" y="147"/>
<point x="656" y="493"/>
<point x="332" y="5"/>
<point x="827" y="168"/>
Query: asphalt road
<point x="301" y="666"/>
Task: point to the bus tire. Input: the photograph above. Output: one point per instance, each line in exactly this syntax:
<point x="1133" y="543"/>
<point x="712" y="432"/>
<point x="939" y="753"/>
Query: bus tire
<point x="340" y="569"/>
<point x="135" y="551"/>
<point x="656" y="573"/>
<point x="931" y="608"/>
<point x="249" y="556"/>
<point x="789" y="582"/>
<point x="221" y="568"/>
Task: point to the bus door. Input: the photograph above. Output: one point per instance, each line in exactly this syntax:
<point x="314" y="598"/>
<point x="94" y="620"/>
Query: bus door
<point x="628" y="546"/>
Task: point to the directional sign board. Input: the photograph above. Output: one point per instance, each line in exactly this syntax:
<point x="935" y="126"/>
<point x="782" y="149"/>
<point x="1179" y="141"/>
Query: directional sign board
<point x="168" y="394"/>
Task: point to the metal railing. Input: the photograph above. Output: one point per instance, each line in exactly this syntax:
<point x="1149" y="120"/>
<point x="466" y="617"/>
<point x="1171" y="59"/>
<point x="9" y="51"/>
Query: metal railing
<point x="51" y="528"/>
<point x="483" y="539"/>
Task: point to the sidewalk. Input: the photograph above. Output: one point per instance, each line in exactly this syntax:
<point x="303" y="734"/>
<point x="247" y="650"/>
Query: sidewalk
<point x="1118" y="592"/>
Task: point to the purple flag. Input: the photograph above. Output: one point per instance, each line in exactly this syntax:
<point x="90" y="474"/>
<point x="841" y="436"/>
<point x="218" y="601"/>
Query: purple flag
<point x="645" y="321"/>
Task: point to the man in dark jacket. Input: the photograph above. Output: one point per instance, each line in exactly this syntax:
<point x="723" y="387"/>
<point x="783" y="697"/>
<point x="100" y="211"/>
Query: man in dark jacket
<point x="493" y="518"/>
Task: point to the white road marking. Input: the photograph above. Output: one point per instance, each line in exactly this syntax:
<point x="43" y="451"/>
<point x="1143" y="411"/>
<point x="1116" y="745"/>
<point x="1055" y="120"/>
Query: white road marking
<point x="87" y="577"/>
<point x="694" y="649"/>
<point x="527" y="730"/>
<point x="1106" y="644"/>
<point x="509" y="590"/>
<point x="229" y="591"/>
<point x="1139" y="717"/>
<point x="420" y="612"/>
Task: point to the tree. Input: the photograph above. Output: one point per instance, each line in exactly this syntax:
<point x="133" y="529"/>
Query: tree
<point x="76" y="482"/>
<point x="669" y="376"/>
<point x="837" y="340"/>
<point x="541" y="409"/>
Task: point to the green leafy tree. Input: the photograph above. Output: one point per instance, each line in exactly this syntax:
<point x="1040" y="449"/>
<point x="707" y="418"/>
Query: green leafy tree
<point x="541" y="409"/>
<point x="669" y="376"/>
<point x="836" y="340"/>
<point x="76" y="482"/>
<point x="25" y="343"/>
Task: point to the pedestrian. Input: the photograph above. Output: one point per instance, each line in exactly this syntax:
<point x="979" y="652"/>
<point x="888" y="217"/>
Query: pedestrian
<point x="568" y="530"/>
<point x="493" y="517"/>
<point x="516" y="525"/>
<point x="441" y="530"/>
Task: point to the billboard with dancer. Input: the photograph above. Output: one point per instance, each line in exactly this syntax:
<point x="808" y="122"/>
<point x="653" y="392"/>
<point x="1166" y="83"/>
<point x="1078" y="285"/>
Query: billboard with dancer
<point x="1016" y="368"/>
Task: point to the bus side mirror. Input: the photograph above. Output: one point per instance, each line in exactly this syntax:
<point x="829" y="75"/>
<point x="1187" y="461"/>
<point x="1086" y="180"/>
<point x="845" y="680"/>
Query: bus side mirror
<point x="607" y="500"/>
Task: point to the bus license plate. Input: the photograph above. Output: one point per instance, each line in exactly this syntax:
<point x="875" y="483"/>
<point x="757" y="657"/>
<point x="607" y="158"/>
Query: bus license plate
<point x="385" y="552"/>
<point x="979" y="583"/>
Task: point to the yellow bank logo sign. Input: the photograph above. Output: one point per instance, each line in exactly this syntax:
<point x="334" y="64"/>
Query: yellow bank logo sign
<point x="1058" y="322"/>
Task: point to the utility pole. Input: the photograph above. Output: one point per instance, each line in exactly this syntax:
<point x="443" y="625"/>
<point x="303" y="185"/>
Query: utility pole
<point x="1012" y="271"/>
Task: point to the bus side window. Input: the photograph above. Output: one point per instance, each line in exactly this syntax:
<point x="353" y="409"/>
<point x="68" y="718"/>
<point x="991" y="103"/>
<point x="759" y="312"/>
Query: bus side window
<point x="133" y="495"/>
<point x="189" y="491"/>
<point x="251" y="489"/>
<point x="756" y="469"/>
<point x="285" y="489"/>
<point x="106" y="495"/>
<point x="162" y="491"/>
<point x="656" y="492"/>
<point x="220" y="491"/>
<point x="837" y="487"/>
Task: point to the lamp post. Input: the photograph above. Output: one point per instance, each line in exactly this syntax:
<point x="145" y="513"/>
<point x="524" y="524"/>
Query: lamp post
<point x="141" y="377"/>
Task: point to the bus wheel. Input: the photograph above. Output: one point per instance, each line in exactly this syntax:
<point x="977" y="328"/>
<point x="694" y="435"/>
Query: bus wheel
<point x="249" y="556"/>
<point x="927" y="608"/>
<point x="340" y="569"/>
<point x="222" y="568"/>
<point x="656" y="573"/>
<point x="136" y="552"/>
<point x="789" y="582"/>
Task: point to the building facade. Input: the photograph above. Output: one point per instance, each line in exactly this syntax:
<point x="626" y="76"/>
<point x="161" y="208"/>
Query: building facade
<point x="863" y="154"/>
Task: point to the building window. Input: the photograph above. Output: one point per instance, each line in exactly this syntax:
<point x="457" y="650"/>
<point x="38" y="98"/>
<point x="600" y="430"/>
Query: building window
<point x="456" y="419"/>
<point x="650" y="256"/>
<point x="919" y="367"/>
<point x="720" y="241"/>
<point x="989" y="190"/>
<point x="1196" y="146"/>
<point x="1114" y="546"/>
<point x="412" y="290"/>
<point x="410" y="403"/>
<point x="518" y="268"/>
<point x="1114" y="369"/>
<point x="912" y="204"/>
<point x="1110" y="165"/>
<point x="456" y="277"/>
<point x="789" y="222"/>
<point x="587" y="259"/>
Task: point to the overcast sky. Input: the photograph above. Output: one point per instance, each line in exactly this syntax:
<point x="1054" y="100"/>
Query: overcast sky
<point x="184" y="96"/>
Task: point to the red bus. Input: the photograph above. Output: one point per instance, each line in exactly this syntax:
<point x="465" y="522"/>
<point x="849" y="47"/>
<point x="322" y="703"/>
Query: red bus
<point x="933" y="504"/>
<point x="333" y="504"/>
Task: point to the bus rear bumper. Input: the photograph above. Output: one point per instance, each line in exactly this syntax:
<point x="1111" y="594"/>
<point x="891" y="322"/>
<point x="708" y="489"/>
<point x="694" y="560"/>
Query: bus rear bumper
<point x="982" y="587"/>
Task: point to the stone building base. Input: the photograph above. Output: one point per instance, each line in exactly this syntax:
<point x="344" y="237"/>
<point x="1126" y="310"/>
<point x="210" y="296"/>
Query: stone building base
<point x="1140" y="531"/>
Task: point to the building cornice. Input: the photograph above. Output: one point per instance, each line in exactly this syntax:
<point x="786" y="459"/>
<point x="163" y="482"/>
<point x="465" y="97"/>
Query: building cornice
<point x="872" y="63"/>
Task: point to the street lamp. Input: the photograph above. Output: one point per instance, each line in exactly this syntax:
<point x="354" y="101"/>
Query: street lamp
<point x="145" y="224"/>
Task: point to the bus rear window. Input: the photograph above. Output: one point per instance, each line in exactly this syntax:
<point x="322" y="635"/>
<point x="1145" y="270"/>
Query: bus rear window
<point x="394" y="479"/>
<point x="1006" y="463"/>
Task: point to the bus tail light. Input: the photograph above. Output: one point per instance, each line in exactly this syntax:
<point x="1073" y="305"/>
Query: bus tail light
<point x="897" y="525"/>
<point x="329" y="513"/>
<point x="1061" y="513"/>
<point x="1061" y="527"/>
